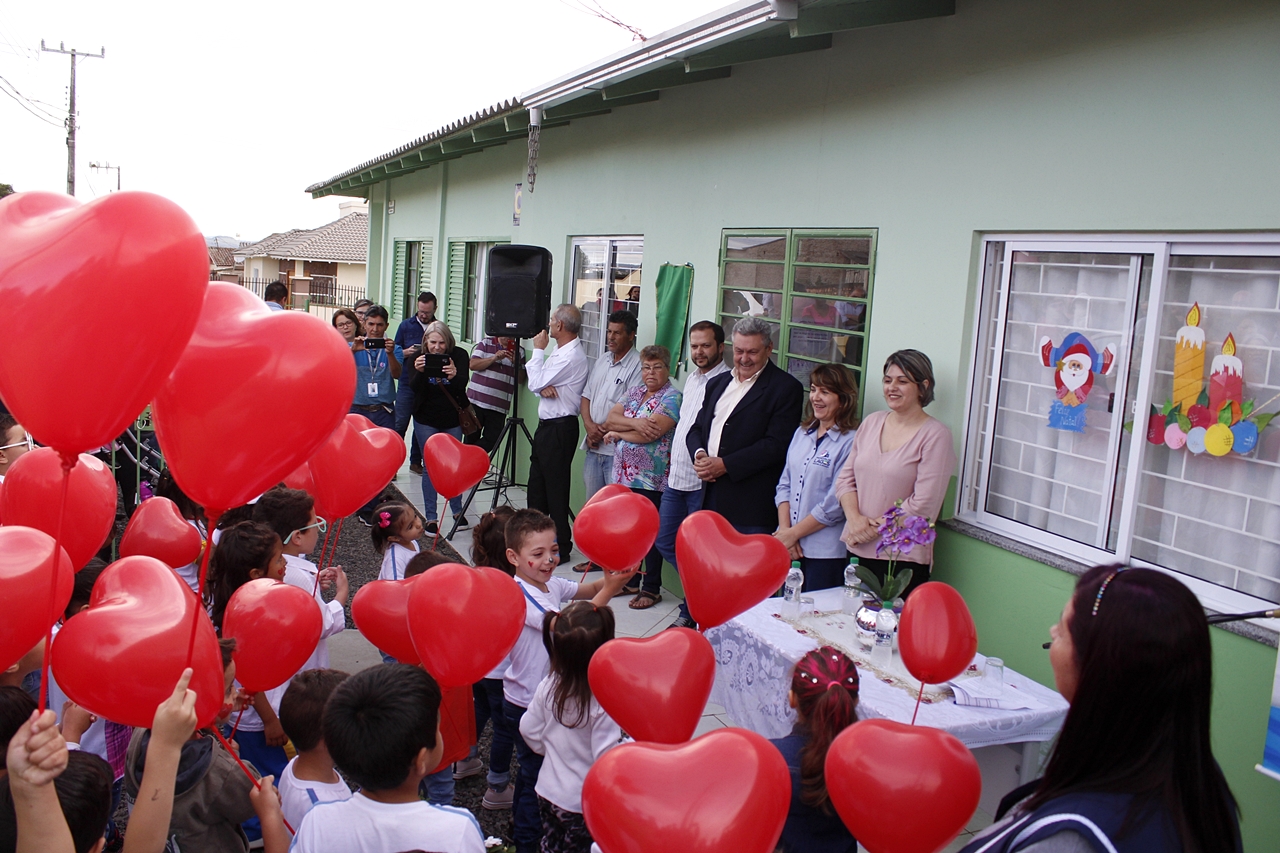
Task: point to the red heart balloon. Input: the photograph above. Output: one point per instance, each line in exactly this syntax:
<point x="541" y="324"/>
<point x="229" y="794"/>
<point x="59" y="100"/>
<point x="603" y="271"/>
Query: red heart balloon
<point x="120" y="658"/>
<point x="276" y="627"/>
<point x="463" y="621"/>
<point x="64" y="261"/>
<point x="352" y="467"/>
<point x="158" y="530"/>
<point x="724" y="572"/>
<point x="26" y="559"/>
<point x="616" y="531"/>
<point x="360" y="422"/>
<point x="381" y="613"/>
<point x="301" y="478"/>
<point x="655" y="688"/>
<point x="33" y="492"/>
<point x="728" y="790"/>
<point x="453" y="466"/>
<point x="900" y="788"/>
<point x="937" y="636"/>
<point x="607" y="491"/>
<point x="247" y="368"/>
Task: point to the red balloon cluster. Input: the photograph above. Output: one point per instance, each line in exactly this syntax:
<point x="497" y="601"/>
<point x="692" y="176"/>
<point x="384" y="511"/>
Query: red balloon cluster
<point x="276" y="627"/>
<point x="655" y="688"/>
<point x="453" y="466"/>
<point x="617" y="529"/>
<point x="218" y="415"/>
<point x="727" y="790"/>
<point x="136" y="631"/>
<point x="158" y="530"/>
<point x="723" y="571"/>
<point x="33" y="497"/>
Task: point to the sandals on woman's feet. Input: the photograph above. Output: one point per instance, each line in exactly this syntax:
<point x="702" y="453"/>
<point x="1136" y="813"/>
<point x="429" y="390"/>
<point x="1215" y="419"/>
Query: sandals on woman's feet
<point x="630" y="589"/>
<point x="645" y="599"/>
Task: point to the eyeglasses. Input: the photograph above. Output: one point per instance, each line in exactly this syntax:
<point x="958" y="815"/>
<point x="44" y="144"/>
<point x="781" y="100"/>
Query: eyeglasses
<point x="652" y="368"/>
<point x="321" y="525"/>
<point x="28" y="442"/>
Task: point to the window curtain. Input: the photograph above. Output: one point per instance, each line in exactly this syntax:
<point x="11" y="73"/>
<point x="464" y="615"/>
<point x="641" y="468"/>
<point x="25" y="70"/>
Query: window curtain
<point x="674" y="286"/>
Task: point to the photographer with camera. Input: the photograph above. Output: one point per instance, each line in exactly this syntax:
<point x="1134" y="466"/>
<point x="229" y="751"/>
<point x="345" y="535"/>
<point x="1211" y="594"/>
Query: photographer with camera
<point x="440" y="404"/>
<point x="376" y="370"/>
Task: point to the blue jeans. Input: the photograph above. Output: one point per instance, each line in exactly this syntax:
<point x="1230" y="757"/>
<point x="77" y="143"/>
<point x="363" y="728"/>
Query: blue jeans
<point x="676" y="506"/>
<point x="404" y="416"/>
<point x="488" y="696"/>
<point x="429" y="497"/>
<point x="597" y="472"/>
<point x="439" y="787"/>
<point x="525" y="818"/>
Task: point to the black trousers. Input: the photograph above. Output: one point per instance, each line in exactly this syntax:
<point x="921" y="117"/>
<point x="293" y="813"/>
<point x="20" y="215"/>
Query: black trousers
<point x="651" y="581"/>
<point x="550" y="466"/>
<point x="491" y="424"/>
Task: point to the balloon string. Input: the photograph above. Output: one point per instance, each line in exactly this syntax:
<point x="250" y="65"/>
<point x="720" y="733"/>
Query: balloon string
<point x="67" y="464"/>
<point x="919" y="696"/>
<point x="236" y="727"/>
<point x="332" y="551"/>
<point x="257" y="783"/>
<point x="320" y="562"/>
<point x="211" y="524"/>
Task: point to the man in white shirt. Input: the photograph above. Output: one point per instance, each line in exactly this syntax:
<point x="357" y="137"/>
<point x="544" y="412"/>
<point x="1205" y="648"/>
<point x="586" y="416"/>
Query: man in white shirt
<point x="615" y="372"/>
<point x="683" y="496"/>
<point x="559" y="379"/>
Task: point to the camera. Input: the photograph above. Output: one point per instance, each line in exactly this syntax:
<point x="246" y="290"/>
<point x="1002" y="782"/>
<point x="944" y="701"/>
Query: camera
<point x="375" y="343"/>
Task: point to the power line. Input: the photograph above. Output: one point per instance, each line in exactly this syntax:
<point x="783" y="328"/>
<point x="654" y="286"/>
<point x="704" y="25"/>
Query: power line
<point x="593" y="8"/>
<point x="26" y="105"/>
<point x="32" y="101"/>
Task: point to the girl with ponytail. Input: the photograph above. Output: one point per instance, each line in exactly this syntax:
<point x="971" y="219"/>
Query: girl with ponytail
<point x="824" y="692"/>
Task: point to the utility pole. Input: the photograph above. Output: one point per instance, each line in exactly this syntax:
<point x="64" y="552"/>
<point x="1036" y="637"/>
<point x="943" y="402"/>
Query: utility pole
<point x="71" y="111"/>
<point x="107" y="167"/>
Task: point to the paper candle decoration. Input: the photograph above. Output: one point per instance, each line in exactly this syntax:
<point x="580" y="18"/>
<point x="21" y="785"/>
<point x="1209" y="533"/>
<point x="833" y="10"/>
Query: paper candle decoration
<point x="1188" y="364"/>
<point x="1226" y="380"/>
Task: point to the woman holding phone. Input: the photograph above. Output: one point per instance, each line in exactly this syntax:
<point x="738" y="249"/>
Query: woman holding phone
<point x="439" y="394"/>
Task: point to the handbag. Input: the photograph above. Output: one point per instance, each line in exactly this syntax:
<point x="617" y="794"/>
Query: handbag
<point x="467" y="417"/>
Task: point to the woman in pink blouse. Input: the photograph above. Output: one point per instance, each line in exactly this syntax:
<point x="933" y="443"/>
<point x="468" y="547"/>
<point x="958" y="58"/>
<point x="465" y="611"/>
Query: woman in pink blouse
<point x="903" y="455"/>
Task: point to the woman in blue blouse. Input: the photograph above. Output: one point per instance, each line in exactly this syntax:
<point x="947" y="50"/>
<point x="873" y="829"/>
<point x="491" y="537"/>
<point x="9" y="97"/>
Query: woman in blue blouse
<point x="810" y="519"/>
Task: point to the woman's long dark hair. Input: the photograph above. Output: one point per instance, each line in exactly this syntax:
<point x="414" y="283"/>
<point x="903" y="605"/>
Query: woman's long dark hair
<point x="1139" y="720"/>
<point x="241" y="549"/>
<point x="572" y="637"/>
<point x="839" y="380"/>
<point x="825" y="684"/>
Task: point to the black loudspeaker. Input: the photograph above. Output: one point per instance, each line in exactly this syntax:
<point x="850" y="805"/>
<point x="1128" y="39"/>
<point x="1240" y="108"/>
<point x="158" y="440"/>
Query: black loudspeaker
<point x="518" y="296"/>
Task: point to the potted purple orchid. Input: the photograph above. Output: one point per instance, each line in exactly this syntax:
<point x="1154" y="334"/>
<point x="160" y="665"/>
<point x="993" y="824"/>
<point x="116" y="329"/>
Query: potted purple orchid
<point x="899" y="534"/>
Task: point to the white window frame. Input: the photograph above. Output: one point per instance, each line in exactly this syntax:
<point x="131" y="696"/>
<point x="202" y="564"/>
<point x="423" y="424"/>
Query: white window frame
<point x="571" y="282"/>
<point x="1161" y="246"/>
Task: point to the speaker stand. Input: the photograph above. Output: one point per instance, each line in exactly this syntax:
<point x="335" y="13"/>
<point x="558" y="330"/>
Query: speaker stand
<point x="503" y="455"/>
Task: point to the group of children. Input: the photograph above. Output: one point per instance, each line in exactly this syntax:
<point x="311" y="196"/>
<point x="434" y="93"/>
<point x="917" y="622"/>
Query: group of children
<point x="380" y="727"/>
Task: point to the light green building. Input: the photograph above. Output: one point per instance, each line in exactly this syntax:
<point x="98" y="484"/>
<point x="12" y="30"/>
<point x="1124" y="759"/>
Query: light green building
<point x="965" y="178"/>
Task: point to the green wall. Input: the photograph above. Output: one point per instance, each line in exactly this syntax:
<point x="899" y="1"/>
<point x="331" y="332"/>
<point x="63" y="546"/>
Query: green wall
<point x="1085" y="116"/>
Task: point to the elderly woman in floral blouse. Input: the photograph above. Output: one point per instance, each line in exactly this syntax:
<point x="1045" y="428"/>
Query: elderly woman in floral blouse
<point x="641" y="425"/>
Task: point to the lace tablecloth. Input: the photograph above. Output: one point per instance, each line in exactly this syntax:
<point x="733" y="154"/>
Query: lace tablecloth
<point x="756" y="651"/>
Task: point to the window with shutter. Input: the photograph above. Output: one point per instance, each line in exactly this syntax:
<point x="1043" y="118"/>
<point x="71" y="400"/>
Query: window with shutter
<point x="456" y="288"/>
<point x="426" y="264"/>
<point x="397" y="282"/>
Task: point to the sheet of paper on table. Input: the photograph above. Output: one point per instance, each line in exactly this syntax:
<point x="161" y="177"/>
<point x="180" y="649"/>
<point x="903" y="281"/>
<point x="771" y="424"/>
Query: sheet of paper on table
<point x="979" y="693"/>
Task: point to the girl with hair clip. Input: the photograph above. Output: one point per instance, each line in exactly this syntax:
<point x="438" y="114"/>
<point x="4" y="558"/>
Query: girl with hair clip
<point x="566" y="724"/>
<point x="824" y="692"/>
<point x="395" y="531"/>
<point x="1133" y="770"/>
<point x="489" y="548"/>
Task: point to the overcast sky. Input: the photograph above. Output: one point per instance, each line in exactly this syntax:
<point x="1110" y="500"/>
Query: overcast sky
<point x="233" y="109"/>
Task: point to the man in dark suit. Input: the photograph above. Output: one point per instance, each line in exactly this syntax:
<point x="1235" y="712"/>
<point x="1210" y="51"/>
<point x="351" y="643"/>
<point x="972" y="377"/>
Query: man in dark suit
<point x="740" y="439"/>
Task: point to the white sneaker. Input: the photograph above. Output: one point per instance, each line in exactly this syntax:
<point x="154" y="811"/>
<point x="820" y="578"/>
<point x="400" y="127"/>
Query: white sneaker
<point x="467" y="767"/>
<point x="496" y="801"/>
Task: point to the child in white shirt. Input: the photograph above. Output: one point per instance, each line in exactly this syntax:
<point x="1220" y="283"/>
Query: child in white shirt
<point x="291" y="514"/>
<point x="382" y="727"/>
<point x="309" y="779"/>
<point x="567" y="725"/>
<point x="395" y="531"/>
<point x="532" y="549"/>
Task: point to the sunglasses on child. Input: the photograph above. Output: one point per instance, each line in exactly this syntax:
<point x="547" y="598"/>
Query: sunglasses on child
<point x="320" y="525"/>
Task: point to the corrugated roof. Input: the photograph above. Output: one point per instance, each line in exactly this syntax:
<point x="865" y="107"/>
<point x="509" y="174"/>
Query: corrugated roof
<point x="344" y="240"/>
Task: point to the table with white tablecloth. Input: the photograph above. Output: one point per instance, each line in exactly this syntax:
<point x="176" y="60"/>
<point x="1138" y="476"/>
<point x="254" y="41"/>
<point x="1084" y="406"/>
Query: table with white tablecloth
<point x="755" y="653"/>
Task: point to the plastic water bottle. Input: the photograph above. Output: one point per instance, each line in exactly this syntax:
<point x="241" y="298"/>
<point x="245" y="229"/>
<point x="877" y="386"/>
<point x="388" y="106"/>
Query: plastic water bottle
<point x="791" y="592"/>
<point x="852" y="591"/>
<point x="882" y="653"/>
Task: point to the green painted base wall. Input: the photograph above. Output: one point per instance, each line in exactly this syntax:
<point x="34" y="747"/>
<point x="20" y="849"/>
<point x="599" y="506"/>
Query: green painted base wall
<point x="1014" y="601"/>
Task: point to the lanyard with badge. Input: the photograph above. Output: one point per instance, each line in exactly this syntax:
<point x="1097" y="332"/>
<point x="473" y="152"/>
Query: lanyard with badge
<point x="375" y="367"/>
